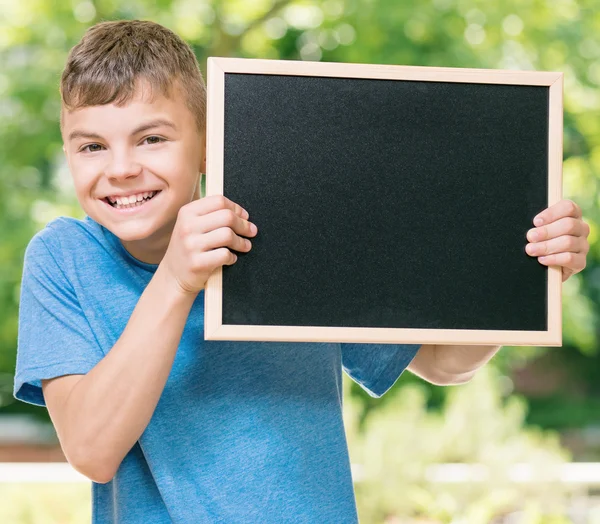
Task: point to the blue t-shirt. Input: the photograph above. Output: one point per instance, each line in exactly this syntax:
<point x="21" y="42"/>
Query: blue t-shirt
<point x="243" y="432"/>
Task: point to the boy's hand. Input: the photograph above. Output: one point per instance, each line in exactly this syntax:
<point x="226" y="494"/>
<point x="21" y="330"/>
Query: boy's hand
<point x="197" y="246"/>
<point x="560" y="238"/>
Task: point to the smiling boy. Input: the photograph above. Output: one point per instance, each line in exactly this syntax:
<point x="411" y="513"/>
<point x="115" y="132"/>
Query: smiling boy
<point x="168" y="426"/>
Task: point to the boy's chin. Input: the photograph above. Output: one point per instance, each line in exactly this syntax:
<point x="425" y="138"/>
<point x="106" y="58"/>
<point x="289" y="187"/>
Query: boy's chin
<point x="129" y="231"/>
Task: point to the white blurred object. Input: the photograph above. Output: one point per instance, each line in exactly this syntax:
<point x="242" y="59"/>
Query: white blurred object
<point x="51" y="472"/>
<point x="585" y="473"/>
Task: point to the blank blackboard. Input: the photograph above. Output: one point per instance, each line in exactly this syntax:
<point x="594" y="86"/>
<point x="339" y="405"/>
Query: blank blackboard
<point x="392" y="202"/>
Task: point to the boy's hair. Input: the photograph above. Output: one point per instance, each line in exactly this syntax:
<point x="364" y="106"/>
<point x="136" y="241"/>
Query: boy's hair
<point x="104" y="66"/>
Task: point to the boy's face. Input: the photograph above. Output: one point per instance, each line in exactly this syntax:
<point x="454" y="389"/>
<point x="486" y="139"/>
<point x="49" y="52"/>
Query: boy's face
<point x="140" y="147"/>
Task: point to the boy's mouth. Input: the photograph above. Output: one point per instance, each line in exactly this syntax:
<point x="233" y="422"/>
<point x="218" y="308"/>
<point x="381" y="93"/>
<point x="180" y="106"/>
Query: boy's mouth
<point x="124" y="203"/>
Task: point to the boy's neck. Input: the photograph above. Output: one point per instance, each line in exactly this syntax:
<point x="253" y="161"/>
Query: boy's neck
<point x="150" y="250"/>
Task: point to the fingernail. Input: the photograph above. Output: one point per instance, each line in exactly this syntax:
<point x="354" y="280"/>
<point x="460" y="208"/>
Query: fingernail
<point x="538" y="221"/>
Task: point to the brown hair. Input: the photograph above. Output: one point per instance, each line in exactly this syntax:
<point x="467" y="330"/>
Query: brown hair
<point x="111" y="57"/>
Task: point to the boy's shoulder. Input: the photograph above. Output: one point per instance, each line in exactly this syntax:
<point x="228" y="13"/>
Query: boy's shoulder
<point x="64" y="237"/>
<point x="65" y="229"/>
<point x="69" y="252"/>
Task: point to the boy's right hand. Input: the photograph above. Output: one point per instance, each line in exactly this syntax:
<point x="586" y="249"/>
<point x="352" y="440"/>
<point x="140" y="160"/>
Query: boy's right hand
<point x="197" y="246"/>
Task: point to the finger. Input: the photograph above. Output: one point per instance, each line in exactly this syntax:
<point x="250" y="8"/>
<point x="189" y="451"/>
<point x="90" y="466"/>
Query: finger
<point x="216" y="258"/>
<point x="562" y="226"/>
<point x="209" y="204"/>
<point x="573" y="261"/>
<point x="224" y="218"/>
<point x="561" y="244"/>
<point x="563" y="208"/>
<point x="222" y="237"/>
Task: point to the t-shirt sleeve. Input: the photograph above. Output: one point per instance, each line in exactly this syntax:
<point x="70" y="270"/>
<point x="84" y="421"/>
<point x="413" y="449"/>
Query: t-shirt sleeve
<point x="376" y="367"/>
<point x="54" y="336"/>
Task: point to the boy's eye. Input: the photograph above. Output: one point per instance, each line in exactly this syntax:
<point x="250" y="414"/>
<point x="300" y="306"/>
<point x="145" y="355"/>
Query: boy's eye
<point x="156" y="141"/>
<point x="91" y="147"/>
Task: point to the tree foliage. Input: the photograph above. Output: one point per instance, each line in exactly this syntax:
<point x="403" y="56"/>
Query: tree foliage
<point x="561" y="35"/>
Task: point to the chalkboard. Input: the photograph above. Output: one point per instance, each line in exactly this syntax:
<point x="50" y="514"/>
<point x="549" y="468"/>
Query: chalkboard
<point x="392" y="202"/>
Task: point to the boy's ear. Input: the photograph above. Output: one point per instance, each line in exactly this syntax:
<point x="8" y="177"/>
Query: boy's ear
<point x="203" y="163"/>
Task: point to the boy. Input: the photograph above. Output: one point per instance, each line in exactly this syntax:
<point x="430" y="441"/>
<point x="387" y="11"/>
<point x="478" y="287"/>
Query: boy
<point x="169" y="427"/>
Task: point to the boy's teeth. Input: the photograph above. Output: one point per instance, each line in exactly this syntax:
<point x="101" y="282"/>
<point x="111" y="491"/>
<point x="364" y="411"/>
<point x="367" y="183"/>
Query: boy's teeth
<point x="133" y="199"/>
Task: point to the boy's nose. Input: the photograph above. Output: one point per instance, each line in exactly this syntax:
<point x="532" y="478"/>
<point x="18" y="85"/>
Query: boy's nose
<point x="123" y="167"/>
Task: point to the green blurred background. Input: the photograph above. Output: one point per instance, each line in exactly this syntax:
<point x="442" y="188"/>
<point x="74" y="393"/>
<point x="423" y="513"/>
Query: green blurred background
<point x="530" y="404"/>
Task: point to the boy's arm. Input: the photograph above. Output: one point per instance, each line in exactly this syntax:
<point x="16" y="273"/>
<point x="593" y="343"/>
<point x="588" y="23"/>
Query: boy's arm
<point x="100" y="416"/>
<point x="450" y="365"/>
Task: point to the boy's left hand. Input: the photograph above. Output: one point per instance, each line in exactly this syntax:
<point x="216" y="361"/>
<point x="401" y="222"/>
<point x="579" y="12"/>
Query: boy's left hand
<point x="561" y="239"/>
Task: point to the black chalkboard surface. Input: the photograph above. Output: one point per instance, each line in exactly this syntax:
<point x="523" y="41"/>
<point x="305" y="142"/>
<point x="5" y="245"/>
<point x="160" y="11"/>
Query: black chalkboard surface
<point x="392" y="202"/>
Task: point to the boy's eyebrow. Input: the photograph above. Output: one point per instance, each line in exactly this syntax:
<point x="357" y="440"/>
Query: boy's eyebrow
<point x="142" y="127"/>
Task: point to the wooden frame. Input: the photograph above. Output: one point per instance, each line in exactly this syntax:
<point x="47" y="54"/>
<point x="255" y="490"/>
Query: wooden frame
<point x="216" y="330"/>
